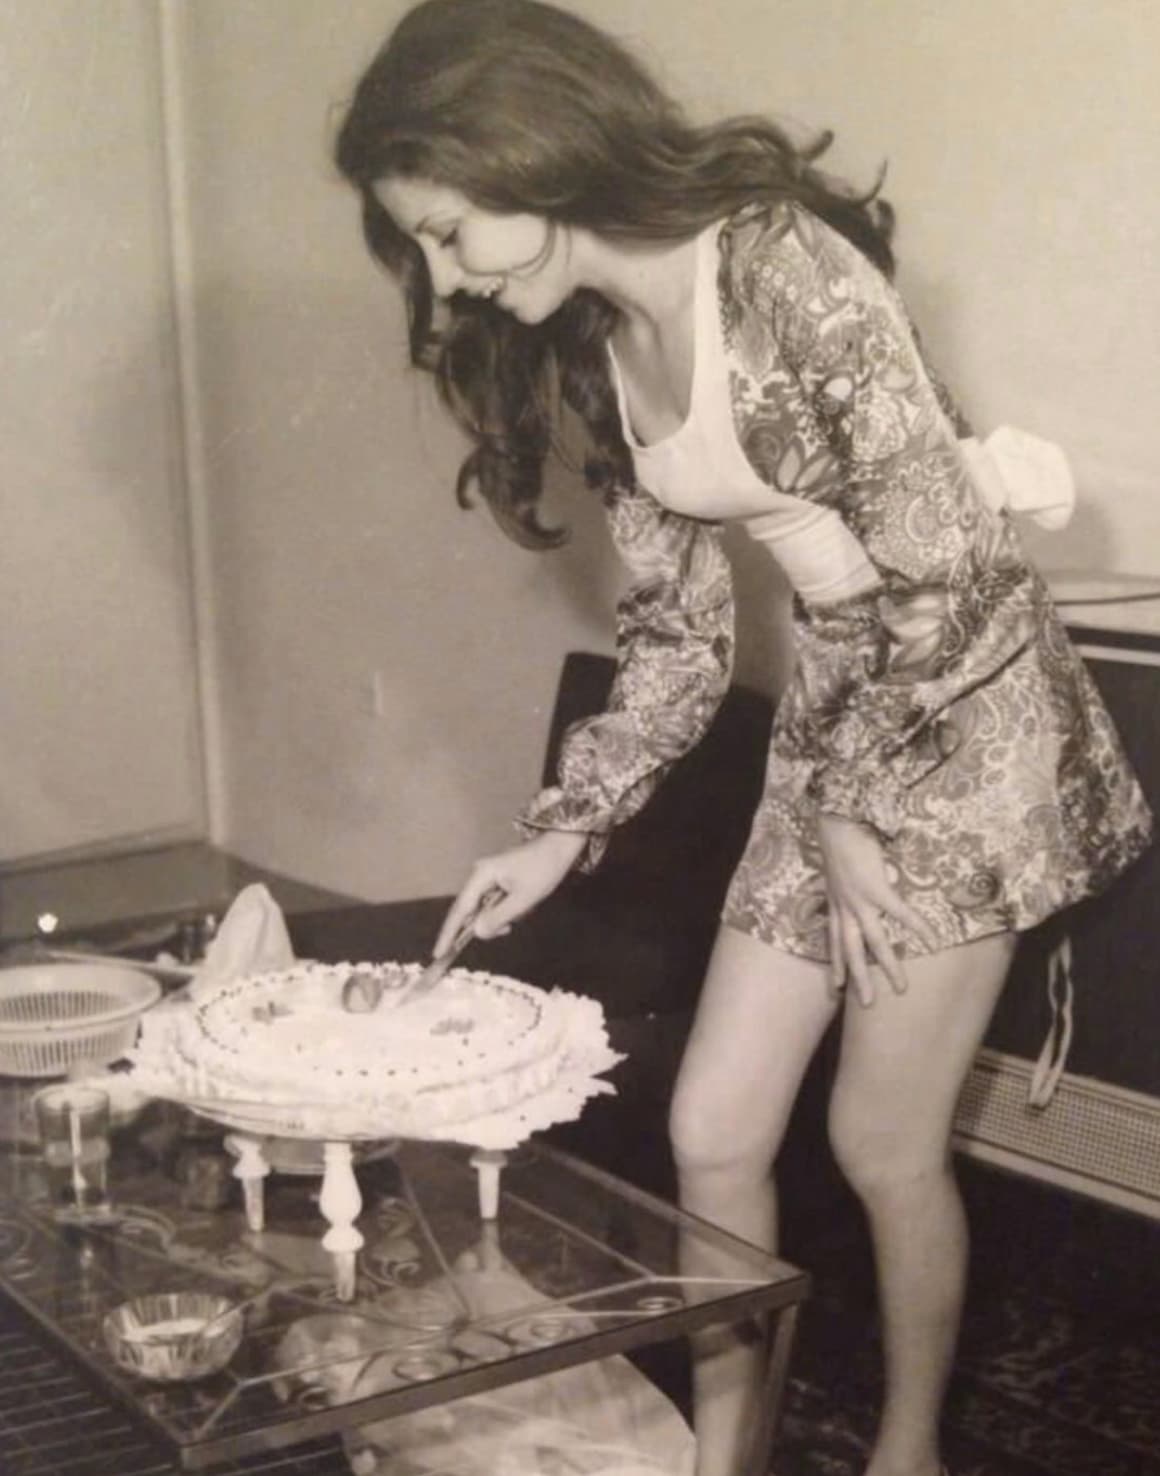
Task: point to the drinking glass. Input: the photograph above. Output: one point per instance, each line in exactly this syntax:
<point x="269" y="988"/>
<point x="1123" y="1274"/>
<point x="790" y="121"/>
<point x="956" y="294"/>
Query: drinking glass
<point x="74" y="1136"/>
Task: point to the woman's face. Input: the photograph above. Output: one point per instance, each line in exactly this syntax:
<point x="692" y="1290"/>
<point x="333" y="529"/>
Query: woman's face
<point x="521" y="262"/>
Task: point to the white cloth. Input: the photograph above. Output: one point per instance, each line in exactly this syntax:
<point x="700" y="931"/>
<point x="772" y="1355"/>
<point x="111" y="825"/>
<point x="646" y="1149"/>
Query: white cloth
<point x="252" y="939"/>
<point x="1023" y="473"/>
<point x="700" y="470"/>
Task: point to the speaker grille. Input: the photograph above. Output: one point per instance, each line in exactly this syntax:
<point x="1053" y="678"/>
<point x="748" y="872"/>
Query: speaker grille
<point x="1099" y="1139"/>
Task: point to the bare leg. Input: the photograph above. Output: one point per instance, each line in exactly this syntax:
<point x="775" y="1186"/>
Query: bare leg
<point x="759" y="1020"/>
<point x="901" y="1070"/>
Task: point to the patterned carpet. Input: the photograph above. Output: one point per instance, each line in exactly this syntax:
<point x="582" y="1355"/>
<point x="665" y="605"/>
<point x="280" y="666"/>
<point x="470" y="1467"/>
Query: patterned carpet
<point x="1058" y="1372"/>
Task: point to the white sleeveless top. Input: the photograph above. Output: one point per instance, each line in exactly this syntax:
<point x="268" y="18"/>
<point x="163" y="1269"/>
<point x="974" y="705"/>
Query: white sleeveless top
<point x="701" y="471"/>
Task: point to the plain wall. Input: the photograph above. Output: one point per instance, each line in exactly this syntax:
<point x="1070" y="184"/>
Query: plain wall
<point x="98" y="696"/>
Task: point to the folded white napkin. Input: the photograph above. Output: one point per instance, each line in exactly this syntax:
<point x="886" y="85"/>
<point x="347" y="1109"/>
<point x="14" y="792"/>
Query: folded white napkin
<point x="251" y="939"/>
<point x="1023" y="472"/>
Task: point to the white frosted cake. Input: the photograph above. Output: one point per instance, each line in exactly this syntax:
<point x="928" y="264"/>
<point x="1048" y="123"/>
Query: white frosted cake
<point x="477" y="1044"/>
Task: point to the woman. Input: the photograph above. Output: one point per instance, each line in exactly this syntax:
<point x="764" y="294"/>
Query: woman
<point x="720" y="316"/>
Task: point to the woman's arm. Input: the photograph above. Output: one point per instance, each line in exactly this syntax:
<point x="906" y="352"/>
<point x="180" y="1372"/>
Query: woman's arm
<point x="674" y="641"/>
<point x="674" y="645"/>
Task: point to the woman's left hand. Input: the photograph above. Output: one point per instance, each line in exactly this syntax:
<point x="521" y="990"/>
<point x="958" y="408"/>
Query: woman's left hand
<point x="860" y="895"/>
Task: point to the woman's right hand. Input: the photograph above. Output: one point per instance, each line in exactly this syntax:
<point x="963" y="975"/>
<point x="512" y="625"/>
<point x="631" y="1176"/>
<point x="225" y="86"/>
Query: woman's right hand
<point x="525" y="875"/>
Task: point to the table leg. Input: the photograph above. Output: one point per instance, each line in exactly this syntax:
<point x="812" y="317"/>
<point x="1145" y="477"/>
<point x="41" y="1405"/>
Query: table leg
<point x="487" y="1163"/>
<point x="341" y="1201"/>
<point x="781" y="1326"/>
<point x="252" y="1169"/>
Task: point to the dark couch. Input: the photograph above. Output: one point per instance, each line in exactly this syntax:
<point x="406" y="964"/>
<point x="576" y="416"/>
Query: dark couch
<point x="635" y="934"/>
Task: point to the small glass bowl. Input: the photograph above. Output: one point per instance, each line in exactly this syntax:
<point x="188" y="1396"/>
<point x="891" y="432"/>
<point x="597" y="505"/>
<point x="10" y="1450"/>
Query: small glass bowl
<point x="161" y="1336"/>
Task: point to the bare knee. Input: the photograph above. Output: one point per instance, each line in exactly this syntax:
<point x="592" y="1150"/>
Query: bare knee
<point x="700" y="1138"/>
<point x="883" y="1159"/>
<point x="759" y="1020"/>
<point x="708" y="1139"/>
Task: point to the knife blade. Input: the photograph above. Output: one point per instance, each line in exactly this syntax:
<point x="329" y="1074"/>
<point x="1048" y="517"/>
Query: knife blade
<point x="362" y="992"/>
<point x="439" y="965"/>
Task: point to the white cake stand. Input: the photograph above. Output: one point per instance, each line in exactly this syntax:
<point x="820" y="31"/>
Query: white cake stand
<point x="339" y="1128"/>
<point x="341" y="1198"/>
<point x="340" y="1131"/>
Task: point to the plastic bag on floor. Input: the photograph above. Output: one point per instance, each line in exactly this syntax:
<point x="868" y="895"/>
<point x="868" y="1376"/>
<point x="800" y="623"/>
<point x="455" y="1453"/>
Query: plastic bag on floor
<point x="598" y="1419"/>
<point x="602" y="1419"/>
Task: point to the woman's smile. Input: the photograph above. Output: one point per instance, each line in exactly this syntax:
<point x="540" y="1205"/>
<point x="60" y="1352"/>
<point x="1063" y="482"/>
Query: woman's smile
<point x="517" y="261"/>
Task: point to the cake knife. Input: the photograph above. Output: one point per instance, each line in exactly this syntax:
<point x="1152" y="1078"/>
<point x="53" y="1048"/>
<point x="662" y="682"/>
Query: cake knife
<point x="362" y="992"/>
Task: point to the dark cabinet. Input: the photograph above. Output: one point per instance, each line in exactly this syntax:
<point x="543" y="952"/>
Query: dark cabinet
<point x="1115" y="937"/>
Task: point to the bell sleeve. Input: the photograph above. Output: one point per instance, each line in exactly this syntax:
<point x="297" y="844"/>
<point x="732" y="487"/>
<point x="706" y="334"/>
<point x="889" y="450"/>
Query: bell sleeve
<point x="850" y="416"/>
<point x="674" y="659"/>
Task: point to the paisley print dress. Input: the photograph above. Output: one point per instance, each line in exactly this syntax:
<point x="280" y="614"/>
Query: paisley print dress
<point x="936" y="699"/>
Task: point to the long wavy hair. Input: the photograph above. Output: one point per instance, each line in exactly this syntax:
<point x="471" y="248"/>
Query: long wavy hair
<point x="523" y="107"/>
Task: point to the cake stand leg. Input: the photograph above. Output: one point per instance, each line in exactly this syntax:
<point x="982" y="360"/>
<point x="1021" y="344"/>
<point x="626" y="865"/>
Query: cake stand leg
<point x="340" y="1201"/>
<point x="487" y="1163"/>
<point x="252" y="1169"/>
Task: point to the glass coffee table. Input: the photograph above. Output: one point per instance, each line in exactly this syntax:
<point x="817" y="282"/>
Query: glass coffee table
<point x="577" y="1267"/>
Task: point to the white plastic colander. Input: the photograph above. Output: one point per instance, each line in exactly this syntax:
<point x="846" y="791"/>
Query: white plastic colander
<point x="55" y="1014"/>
